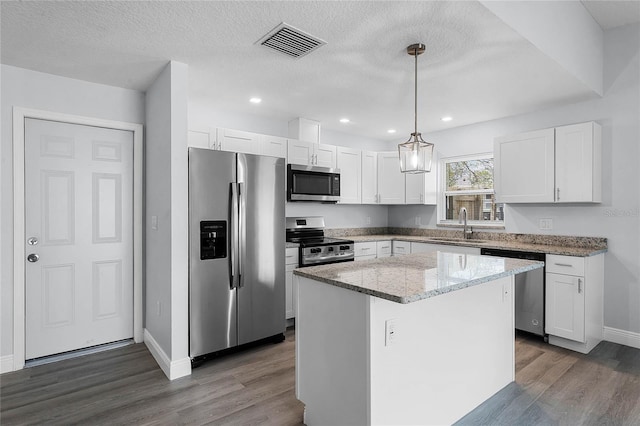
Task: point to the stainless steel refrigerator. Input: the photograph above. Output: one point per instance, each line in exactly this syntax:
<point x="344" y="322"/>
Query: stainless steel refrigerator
<point x="236" y="249"/>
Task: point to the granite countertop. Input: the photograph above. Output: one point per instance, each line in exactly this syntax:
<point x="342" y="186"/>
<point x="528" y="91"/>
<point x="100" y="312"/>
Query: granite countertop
<point x="556" y="247"/>
<point x="413" y="277"/>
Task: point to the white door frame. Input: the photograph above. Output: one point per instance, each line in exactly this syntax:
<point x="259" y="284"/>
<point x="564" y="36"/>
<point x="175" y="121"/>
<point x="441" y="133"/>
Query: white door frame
<point x="19" y="237"/>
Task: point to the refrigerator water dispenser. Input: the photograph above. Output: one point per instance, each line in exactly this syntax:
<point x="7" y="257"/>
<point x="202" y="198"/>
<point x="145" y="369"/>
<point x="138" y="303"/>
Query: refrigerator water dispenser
<point x="213" y="239"/>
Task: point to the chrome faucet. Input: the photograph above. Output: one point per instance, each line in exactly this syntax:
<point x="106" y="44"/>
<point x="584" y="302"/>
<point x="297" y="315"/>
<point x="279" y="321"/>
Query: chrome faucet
<point x="462" y="217"/>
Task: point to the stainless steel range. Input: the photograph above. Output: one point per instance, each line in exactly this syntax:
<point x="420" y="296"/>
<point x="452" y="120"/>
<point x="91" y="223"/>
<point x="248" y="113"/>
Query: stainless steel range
<point x="315" y="248"/>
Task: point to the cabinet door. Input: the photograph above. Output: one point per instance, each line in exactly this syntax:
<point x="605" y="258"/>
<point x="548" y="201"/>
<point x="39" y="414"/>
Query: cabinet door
<point x="422" y="248"/>
<point x="524" y="167"/>
<point x="575" y="165"/>
<point x="273" y="146"/>
<point x="238" y="141"/>
<point x="349" y="161"/>
<point x="197" y="139"/>
<point x="288" y="291"/>
<point x="369" y="177"/>
<point x="324" y="155"/>
<point x="414" y="188"/>
<point x="564" y="306"/>
<point x="390" y="180"/>
<point x="431" y="185"/>
<point x="299" y="152"/>
<point x="383" y="249"/>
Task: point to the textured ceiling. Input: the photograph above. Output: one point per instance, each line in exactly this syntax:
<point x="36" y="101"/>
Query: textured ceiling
<point x="475" y="68"/>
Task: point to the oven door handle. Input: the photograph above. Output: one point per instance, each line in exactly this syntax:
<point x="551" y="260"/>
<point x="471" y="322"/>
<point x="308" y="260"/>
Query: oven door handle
<point x="323" y="258"/>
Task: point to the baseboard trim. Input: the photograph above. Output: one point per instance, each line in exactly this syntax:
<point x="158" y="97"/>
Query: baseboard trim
<point x="6" y="364"/>
<point x="622" y="337"/>
<point x="172" y="369"/>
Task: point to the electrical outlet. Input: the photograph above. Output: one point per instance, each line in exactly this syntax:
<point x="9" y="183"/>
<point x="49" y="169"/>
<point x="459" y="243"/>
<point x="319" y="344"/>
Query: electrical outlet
<point x="546" y="224"/>
<point x="391" y="332"/>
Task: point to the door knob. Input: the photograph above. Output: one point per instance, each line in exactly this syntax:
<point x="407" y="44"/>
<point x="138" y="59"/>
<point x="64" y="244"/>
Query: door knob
<point x="33" y="258"/>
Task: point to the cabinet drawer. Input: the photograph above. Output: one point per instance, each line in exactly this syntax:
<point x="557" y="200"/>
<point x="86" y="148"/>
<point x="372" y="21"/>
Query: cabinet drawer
<point x="291" y="256"/>
<point x="401" y="247"/>
<point x="383" y="248"/>
<point x="567" y="265"/>
<point x="365" y="249"/>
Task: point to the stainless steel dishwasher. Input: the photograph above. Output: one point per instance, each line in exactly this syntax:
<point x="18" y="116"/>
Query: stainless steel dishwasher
<point x="529" y="291"/>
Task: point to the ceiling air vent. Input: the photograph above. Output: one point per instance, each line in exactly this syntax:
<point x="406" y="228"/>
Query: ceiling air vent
<point x="290" y="41"/>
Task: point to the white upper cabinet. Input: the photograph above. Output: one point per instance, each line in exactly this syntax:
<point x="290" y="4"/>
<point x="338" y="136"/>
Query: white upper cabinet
<point x="324" y="155"/>
<point x="414" y="188"/>
<point x="311" y="154"/>
<point x="198" y="139"/>
<point x="299" y="152"/>
<point x="578" y="163"/>
<point x="273" y="146"/>
<point x="238" y="141"/>
<point x="369" y="177"/>
<point x="524" y="167"/>
<point x="305" y="130"/>
<point x="431" y="185"/>
<point x="391" y="182"/>
<point x="349" y="161"/>
<point x="553" y="165"/>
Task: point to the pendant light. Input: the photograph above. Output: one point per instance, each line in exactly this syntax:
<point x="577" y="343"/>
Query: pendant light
<point x="415" y="154"/>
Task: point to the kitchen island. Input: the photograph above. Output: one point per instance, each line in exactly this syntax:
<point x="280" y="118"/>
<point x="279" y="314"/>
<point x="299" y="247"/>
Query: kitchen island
<point x="417" y="339"/>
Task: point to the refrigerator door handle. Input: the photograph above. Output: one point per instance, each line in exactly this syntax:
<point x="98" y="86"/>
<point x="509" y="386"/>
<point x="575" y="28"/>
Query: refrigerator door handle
<point x="242" y="237"/>
<point x="233" y="227"/>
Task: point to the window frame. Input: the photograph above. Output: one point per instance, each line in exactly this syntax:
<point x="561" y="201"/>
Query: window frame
<point x="442" y="192"/>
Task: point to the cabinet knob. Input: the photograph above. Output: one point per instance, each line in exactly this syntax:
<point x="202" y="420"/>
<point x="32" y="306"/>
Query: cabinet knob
<point x="557" y="194"/>
<point x="579" y="285"/>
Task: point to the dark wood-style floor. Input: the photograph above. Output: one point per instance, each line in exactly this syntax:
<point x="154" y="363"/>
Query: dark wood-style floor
<point x="256" y="387"/>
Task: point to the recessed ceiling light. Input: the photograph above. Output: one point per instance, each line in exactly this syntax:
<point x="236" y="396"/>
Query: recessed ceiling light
<point x="391" y="131"/>
<point x="447" y="118"/>
<point x="255" y="100"/>
<point x="344" y="120"/>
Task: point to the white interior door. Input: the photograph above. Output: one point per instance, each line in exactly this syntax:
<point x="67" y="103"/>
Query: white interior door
<point x="79" y="231"/>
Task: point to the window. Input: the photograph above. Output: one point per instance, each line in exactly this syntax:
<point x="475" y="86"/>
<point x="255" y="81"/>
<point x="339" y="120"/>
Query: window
<point x="468" y="182"/>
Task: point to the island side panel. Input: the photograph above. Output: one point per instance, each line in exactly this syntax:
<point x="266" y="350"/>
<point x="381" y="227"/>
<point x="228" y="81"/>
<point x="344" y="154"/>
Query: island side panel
<point x="332" y="360"/>
<point x="450" y="353"/>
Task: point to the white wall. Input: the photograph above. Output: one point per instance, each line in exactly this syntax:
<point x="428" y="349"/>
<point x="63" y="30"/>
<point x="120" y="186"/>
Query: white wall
<point x="203" y="116"/>
<point x="30" y="89"/>
<point x="167" y="246"/>
<point x="617" y="217"/>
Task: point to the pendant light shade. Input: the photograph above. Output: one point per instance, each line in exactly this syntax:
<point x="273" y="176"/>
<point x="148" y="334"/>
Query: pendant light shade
<point x="415" y="154"/>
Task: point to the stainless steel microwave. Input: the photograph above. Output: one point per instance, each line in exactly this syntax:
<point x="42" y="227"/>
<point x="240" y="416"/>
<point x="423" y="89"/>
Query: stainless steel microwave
<point x="312" y="183"/>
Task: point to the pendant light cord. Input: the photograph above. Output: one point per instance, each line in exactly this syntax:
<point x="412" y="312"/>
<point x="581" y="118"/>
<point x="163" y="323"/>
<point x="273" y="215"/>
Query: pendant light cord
<point x="415" y="96"/>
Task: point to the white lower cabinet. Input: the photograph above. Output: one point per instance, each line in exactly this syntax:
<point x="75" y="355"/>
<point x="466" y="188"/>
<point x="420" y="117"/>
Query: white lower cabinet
<point x="573" y="301"/>
<point x="291" y="263"/>
<point x="383" y="248"/>
<point x="401" y="247"/>
<point x="428" y="247"/>
<point x="365" y="250"/>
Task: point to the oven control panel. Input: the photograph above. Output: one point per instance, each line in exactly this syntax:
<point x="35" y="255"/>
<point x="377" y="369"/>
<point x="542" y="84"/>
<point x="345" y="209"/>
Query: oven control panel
<point x="326" y="254"/>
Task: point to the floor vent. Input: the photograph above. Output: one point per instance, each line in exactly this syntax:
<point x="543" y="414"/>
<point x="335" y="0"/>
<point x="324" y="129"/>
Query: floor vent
<point x="290" y="41"/>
